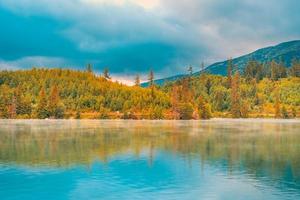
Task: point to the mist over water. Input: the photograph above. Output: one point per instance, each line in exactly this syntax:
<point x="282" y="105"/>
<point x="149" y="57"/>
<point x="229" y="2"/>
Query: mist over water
<point x="92" y="159"/>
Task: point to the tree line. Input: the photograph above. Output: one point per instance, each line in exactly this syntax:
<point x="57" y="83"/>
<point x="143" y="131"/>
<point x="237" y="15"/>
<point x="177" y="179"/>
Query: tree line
<point x="260" y="90"/>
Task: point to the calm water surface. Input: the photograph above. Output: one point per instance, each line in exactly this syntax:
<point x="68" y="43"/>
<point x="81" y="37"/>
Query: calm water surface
<point x="218" y="159"/>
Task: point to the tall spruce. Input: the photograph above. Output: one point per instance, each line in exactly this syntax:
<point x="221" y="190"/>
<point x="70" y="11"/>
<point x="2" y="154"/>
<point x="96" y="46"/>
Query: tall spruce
<point x="229" y="72"/>
<point x="13" y="108"/>
<point x="235" y="96"/>
<point x="106" y="74"/>
<point x="202" y="68"/>
<point x="53" y="106"/>
<point x="151" y="78"/>
<point x="4" y="101"/>
<point x="137" y="81"/>
<point x="42" y="111"/>
<point x="89" y="68"/>
<point x="277" y="103"/>
<point x="190" y="70"/>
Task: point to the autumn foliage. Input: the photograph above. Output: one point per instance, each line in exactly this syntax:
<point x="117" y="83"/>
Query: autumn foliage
<point x="269" y="90"/>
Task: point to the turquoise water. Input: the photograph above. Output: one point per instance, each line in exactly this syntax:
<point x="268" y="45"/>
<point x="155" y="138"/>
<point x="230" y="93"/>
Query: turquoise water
<point x="218" y="159"/>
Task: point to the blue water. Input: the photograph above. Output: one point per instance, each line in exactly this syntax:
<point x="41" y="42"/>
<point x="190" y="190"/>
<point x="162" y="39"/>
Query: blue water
<point x="219" y="159"/>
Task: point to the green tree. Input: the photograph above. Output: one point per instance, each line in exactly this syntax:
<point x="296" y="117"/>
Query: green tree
<point x="208" y="84"/>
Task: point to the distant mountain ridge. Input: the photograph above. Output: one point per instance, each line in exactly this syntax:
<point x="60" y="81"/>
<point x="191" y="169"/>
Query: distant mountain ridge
<point x="283" y="52"/>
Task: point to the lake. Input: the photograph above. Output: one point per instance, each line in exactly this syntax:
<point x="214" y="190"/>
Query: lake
<point x="91" y="159"/>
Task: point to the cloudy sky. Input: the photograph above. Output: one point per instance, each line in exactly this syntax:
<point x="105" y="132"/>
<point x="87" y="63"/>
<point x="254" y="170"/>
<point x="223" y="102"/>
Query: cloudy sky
<point x="133" y="36"/>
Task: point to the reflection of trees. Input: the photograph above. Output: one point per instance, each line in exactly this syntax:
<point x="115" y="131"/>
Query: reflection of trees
<point x="274" y="150"/>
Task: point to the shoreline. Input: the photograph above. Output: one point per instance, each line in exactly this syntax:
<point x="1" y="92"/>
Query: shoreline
<point x="167" y="120"/>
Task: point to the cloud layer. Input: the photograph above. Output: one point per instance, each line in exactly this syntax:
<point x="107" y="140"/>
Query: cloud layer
<point x="133" y="36"/>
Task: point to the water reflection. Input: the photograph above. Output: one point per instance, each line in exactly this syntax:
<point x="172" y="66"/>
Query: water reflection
<point x="149" y="154"/>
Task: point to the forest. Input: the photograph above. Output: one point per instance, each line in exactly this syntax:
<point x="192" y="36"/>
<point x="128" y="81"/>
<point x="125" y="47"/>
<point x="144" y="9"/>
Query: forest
<point x="261" y="90"/>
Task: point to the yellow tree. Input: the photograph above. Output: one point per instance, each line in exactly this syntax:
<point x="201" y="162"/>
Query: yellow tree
<point x="277" y="103"/>
<point x="13" y="108"/>
<point x="204" y="109"/>
<point x="53" y="101"/>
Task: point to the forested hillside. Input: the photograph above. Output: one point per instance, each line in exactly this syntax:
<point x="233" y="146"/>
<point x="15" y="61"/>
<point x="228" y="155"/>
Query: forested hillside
<point x="284" y="53"/>
<point x="58" y="93"/>
<point x="63" y="93"/>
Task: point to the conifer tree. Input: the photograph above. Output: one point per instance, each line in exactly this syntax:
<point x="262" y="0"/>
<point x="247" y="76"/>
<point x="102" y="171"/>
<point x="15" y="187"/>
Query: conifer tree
<point x="137" y="81"/>
<point x="54" y="107"/>
<point x="190" y="70"/>
<point x="23" y="103"/>
<point x="202" y="68"/>
<point x="13" y="108"/>
<point x="277" y="104"/>
<point x="4" y="102"/>
<point x="89" y="68"/>
<point x="175" y="101"/>
<point x="151" y="78"/>
<point x="186" y="91"/>
<point x="277" y="71"/>
<point x="235" y="96"/>
<point x="42" y="111"/>
<point x="106" y="73"/>
<point x="295" y="68"/>
<point x="229" y="72"/>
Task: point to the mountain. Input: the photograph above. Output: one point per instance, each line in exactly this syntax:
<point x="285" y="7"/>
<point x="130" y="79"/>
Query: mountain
<point x="284" y="52"/>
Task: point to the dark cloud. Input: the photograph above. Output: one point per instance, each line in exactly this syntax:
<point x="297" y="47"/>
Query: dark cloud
<point x="129" y="38"/>
<point x="30" y="36"/>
